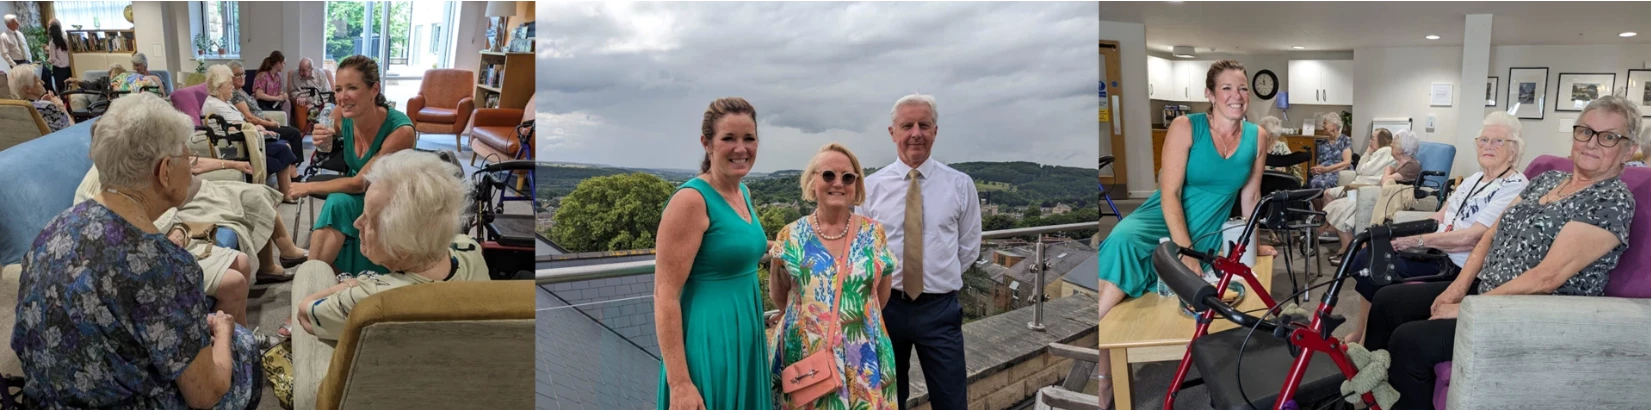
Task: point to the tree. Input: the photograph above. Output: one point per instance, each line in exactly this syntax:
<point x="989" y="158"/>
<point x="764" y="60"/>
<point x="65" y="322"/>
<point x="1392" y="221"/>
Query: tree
<point x="611" y="213"/>
<point x="775" y="217"/>
<point x="1033" y="211"/>
<point x="340" y="45"/>
<point x="996" y="222"/>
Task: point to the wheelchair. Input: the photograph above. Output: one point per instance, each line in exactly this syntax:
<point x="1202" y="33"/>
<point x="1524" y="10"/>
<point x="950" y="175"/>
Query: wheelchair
<point x="1282" y="373"/>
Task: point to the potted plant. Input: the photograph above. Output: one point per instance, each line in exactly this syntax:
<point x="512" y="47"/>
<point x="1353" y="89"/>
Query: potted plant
<point x="202" y="44"/>
<point x="221" y="49"/>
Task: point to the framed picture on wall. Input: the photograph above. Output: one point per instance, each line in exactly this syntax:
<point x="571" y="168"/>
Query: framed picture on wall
<point x="1576" y="90"/>
<point x="1492" y="84"/>
<point x="1527" y="92"/>
<point x="1639" y="89"/>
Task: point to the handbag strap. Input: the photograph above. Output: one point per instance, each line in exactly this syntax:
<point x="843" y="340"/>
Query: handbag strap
<point x="843" y="264"/>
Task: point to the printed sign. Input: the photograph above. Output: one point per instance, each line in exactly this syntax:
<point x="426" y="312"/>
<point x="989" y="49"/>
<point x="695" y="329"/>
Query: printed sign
<point x="1106" y="115"/>
<point x="1103" y="90"/>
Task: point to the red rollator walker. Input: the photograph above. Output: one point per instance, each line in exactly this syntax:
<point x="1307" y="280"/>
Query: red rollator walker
<point x="1275" y="366"/>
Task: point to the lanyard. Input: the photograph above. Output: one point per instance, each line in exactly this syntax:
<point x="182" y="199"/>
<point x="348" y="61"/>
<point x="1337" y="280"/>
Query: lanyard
<point x="1477" y="187"/>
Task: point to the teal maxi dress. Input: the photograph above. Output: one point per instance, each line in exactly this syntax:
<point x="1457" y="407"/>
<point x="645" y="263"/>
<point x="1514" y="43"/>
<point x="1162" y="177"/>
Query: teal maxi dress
<point x="1212" y="185"/>
<point x="341" y="209"/>
<point x="722" y="326"/>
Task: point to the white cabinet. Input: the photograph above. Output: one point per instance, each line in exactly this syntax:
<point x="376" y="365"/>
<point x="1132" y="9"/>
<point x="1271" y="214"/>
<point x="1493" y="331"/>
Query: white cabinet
<point x="1192" y="81"/>
<point x="1161" y="80"/>
<point x="1321" y="82"/>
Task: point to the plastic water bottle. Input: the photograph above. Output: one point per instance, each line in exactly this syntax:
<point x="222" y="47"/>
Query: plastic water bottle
<point x="1163" y="288"/>
<point x="325" y="121"/>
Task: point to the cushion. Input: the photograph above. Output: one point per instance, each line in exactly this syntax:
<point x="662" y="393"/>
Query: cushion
<point x="189" y="100"/>
<point x="434" y="114"/>
<point x="56" y="163"/>
<point x="499" y="138"/>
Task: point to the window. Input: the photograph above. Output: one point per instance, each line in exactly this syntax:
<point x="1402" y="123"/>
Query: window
<point x="93" y="15"/>
<point x="435" y="39"/>
<point x="220" y="21"/>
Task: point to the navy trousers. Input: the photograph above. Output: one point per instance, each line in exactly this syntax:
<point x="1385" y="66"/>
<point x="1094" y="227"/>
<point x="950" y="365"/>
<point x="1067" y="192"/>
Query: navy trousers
<point x="934" y="325"/>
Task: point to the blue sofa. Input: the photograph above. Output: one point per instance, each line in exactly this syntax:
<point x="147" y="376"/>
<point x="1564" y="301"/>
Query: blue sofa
<point x="40" y="180"/>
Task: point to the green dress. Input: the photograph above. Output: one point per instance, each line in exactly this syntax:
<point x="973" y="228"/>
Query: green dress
<point x="341" y="209"/>
<point x="1212" y="185"/>
<point x="722" y="326"/>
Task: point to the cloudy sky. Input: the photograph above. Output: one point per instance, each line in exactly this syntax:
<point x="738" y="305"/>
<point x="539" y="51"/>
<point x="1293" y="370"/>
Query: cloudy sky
<point x="626" y="84"/>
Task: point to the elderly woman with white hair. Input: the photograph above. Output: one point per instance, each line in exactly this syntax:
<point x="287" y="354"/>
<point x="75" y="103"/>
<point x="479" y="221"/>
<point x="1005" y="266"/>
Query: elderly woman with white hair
<point x="25" y="82"/>
<point x="110" y="312"/>
<point x="1335" y="152"/>
<point x="1340" y="213"/>
<point x="416" y="237"/>
<point x="279" y="156"/>
<point x="1468" y="214"/>
<point x="1561" y="236"/>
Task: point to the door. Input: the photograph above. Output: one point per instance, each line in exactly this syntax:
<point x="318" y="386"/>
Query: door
<point x="1114" y="176"/>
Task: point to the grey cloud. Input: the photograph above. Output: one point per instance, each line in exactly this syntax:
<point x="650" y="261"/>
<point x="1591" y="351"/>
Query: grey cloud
<point x="1015" y="81"/>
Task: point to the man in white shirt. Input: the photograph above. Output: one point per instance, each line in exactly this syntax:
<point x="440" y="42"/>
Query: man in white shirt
<point x="13" y="46"/>
<point x="936" y="242"/>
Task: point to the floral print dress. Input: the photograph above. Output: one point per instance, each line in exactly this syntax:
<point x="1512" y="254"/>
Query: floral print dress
<point x="1329" y="153"/>
<point x="865" y="357"/>
<point x="109" y="316"/>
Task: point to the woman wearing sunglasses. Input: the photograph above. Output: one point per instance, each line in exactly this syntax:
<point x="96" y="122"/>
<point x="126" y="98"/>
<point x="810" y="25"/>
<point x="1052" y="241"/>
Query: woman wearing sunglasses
<point x="833" y="275"/>
<point x="707" y="306"/>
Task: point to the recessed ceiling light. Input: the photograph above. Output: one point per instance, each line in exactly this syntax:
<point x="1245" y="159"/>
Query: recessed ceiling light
<point x="1432" y="37"/>
<point x="1628" y="34"/>
<point x="1298" y="47"/>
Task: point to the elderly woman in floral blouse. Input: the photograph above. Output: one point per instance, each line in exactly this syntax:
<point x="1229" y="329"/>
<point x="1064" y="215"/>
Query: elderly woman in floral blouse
<point x="24" y="81"/>
<point x="834" y="276"/>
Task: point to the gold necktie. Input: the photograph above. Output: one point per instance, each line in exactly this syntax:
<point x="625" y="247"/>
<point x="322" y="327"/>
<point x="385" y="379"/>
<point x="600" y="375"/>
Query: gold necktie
<point x="912" y="268"/>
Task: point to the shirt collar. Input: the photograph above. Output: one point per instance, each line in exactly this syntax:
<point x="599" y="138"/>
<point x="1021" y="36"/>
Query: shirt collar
<point x="926" y="168"/>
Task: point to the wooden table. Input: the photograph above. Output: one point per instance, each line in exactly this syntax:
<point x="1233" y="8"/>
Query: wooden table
<point x="1151" y="328"/>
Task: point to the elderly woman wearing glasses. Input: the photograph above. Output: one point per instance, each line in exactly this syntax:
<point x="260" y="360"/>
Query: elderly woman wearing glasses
<point x="110" y="312"/>
<point x="1560" y="236"/>
<point x="1468" y="214"/>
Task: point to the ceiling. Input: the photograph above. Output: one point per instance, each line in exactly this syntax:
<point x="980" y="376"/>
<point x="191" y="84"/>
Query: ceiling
<point x="1274" y="27"/>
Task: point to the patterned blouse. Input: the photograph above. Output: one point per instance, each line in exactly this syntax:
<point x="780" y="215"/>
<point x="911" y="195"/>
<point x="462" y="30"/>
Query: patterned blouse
<point x="55" y="117"/>
<point x="866" y="356"/>
<point x="109" y="316"/>
<point x="241" y="96"/>
<point x="269" y="82"/>
<point x="1528" y="230"/>
<point x="1329" y="153"/>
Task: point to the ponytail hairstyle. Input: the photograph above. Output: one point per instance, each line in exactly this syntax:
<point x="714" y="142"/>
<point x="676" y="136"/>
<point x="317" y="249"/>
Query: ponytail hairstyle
<point x="369" y="74"/>
<point x="720" y="108"/>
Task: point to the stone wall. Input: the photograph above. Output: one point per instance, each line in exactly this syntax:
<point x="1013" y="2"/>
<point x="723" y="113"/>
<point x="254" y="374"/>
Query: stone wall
<point x="1005" y="389"/>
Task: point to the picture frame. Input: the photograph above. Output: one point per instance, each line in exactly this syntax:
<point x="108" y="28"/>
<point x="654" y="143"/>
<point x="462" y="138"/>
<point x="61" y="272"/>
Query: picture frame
<point x="1527" y="94"/>
<point x="1639" y="89"/>
<point x="1576" y="90"/>
<point x="1492" y="83"/>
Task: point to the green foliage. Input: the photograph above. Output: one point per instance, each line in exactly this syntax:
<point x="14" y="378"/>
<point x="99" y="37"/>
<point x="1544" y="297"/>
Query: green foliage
<point x="775" y="217"/>
<point x="996" y="222"/>
<point x="1032" y="211"/>
<point x="36" y="37"/>
<point x="611" y="213"/>
<point x="340" y="45"/>
<point x="1076" y="216"/>
<point x="1030" y="183"/>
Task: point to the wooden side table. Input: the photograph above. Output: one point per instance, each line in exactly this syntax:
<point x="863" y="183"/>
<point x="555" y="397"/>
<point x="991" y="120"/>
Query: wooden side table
<point x="1152" y="328"/>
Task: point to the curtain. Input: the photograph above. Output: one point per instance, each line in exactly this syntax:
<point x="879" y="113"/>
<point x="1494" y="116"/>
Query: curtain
<point x="91" y="15"/>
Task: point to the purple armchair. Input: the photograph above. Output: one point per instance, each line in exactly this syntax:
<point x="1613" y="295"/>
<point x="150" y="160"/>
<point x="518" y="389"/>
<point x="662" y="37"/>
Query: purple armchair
<point x="189" y="100"/>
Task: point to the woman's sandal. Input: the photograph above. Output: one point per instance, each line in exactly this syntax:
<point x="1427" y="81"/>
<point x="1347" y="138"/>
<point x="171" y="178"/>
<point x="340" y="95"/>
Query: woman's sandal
<point x="291" y="262"/>
<point x="266" y="341"/>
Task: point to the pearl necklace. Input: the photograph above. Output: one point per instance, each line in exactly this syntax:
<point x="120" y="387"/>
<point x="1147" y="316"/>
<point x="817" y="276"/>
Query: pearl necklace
<point x="815" y="219"/>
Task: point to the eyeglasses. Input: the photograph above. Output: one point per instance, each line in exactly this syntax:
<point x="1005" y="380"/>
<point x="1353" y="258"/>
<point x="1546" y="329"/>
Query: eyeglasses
<point x="239" y="75"/>
<point x="1490" y="142"/>
<point x="831" y="176"/>
<point x="1582" y="133"/>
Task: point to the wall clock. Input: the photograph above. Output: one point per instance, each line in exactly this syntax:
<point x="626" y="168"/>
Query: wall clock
<point x="1265" y="84"/>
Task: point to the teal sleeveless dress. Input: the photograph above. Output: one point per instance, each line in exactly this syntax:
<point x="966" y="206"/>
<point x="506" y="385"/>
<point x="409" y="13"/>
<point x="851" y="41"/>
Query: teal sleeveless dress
<point x="341" y="210"/>
<point x="722" y="327"/>
<point x="1212" y="186"/>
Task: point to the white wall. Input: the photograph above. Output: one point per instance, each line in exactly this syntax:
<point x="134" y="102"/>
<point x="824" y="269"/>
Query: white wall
<point x="292" y="27"/>
<point x="1135" y="110"/>
<point x="470" y="37"/>
<point x="1393" y="82"/>
<point x="149" y="25"/>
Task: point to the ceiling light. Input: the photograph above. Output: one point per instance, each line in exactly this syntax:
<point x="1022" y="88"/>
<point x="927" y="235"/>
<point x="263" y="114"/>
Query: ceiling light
<point x="1628" y="34"/>
<point x="1432" y="37"/>
<point x="1182" y="51"/>
<point x="1298" y="47"/>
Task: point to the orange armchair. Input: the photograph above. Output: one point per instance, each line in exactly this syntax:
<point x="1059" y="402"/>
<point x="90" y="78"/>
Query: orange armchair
<point x="493" y="133"/>
<point x="444" y="103"/>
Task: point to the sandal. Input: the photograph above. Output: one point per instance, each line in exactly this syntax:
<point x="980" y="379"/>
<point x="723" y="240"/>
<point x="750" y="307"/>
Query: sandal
<point x="291" y="262"/>
<point x="1336" y="260"/>
<point x="286" y="329"/>
<point x="266" y="341"/>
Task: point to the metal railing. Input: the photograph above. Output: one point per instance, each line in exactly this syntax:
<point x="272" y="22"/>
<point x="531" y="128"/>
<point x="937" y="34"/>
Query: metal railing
<point x="625" y="269"/>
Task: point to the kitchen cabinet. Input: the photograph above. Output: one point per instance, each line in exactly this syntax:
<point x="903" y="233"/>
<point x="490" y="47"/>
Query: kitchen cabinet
<point x="1176" y="80"/>
<point x="1321" y="82"/>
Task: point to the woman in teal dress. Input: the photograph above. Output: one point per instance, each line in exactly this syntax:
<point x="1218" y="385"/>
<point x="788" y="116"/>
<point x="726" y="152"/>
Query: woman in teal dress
<point x="707" y="300"/>
<point x="1209" y="161"/>
<point x="362" y="111"/>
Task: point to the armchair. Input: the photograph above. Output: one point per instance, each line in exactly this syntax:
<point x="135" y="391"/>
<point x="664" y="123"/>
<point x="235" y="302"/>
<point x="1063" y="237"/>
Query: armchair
<point x="493" y="133"/>
<point x="1559" y="351"/>
<point x="444" y="103"/>
<point x="19" y="123"/>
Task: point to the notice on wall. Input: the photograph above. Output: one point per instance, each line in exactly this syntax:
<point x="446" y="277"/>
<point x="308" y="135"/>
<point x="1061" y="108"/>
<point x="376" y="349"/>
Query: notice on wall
<point x="1440" y="94"/>
<point x="1106" y="115"/>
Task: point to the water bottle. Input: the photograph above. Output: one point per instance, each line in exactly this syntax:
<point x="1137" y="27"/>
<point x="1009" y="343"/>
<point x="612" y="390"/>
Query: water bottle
<point x="325" y="120"/>
<point x="1163" y="288"/>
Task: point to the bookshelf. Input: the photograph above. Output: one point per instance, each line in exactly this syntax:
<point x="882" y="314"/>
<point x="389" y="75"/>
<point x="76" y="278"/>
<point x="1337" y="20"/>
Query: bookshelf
<point x="504" y="80"/>
<point x="97" y="49"/>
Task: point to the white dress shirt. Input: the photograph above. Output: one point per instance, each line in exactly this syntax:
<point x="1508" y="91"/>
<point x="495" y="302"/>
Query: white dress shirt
<point x="951" y="220"/>
<point x="13" y="46"/>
